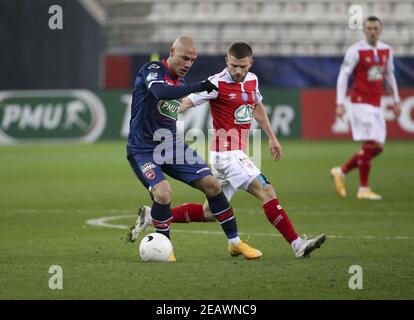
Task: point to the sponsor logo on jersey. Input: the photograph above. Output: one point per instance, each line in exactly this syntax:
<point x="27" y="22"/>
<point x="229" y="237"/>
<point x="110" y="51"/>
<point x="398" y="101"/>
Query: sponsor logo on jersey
<point x="154" y="66"/>
<point x="202" y="170"/>
<point x="169" y="108"/>
<point x="152" y="76"/>
<point x="375" y="73"/>
<point x="147" y="169"/>
<point x="232" y="96"/>
<point x="50" y="115"/>
<point x="243" y="114"/>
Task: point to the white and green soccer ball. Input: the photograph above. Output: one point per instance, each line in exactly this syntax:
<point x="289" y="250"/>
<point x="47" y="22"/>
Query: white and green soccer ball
<point x="155" y="247"/>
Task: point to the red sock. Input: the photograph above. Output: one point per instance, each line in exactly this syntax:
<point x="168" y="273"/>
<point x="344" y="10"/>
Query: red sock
<point x="280" y="220"/>
<point x="188" y="212"/>
<point x="364" y="164"/>
<point x="350" y="164"/>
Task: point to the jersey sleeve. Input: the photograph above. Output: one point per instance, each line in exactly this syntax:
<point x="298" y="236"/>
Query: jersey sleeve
<point x="259" y="96"/>
<point x="390" y="77"/>
<point x="202" y="97"/>
<point x="153" y="73"/>
<point x="347" y="67"/>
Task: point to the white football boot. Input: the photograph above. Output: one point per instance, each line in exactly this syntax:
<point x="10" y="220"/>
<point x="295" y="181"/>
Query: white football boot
<point x="143" y="222"/>
<point x="365" y="193"/>
<point x="303" y="247"/>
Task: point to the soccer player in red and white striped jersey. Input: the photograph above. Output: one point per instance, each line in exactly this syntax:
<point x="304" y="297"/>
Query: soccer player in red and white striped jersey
<point x="370" y="61"/>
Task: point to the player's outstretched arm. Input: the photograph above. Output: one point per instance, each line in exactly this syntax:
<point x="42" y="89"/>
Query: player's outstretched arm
<point x="185" y="105"/>
<point x="165" y="91"/>
<point x="260" y="115"/>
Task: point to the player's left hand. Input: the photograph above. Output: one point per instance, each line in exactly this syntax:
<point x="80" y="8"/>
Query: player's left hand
<point x="397" y="109"/>
<point x="275" y="149"/>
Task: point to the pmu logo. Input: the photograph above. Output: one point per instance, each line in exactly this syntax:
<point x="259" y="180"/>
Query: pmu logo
<point x="50" y="115"/>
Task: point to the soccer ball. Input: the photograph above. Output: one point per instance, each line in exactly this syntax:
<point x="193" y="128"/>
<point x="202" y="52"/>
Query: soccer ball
<point x="155" y="247"/>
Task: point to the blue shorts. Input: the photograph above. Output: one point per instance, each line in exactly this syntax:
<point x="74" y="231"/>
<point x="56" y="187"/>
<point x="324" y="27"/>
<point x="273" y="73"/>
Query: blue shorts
<point x="150" y="172"/>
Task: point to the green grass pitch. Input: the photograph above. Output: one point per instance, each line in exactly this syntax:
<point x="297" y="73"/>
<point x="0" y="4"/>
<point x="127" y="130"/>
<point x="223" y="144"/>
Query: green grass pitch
<point x="48" y="192"/>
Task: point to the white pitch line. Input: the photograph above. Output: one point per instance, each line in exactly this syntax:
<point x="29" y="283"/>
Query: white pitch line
<point x="104" y="222"/>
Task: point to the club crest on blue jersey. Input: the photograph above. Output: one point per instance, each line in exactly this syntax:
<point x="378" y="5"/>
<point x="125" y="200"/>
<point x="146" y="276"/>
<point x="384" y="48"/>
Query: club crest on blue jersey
<point x="147" y="169"/>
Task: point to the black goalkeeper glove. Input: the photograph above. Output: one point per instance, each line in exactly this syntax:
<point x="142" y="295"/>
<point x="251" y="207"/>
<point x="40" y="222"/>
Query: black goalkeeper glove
<point x="206" y="85"/>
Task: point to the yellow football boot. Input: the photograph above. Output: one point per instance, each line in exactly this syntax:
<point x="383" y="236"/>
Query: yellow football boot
<point x="242" y="248"/>
<point x="339" y="180"/>
<point x="172" y="258"/>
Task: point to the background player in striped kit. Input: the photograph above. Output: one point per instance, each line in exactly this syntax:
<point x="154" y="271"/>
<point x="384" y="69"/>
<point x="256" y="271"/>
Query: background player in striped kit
<point x="370" y="61"/>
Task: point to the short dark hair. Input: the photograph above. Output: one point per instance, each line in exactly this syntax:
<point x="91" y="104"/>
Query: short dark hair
<point x="373" y="19"/>
<point x="240" y="50"/>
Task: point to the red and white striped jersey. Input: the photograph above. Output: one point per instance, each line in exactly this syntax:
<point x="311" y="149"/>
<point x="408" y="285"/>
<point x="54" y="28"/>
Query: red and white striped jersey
<point x="369" y="66"/>
<point x="231" y="109"/>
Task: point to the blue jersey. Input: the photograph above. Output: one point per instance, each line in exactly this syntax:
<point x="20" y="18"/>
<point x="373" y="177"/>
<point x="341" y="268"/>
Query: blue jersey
<point x="149" y="114"/>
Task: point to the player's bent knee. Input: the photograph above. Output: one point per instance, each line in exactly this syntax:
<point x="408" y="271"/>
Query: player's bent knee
<point x="211" y="186"/>
<point x="162" y="196"/>
<point x="162" y="192"/>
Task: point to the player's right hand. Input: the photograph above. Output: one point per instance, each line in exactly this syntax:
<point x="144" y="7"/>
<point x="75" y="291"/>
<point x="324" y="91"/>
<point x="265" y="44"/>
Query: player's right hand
<point x="206" y="85"/>
<point x="275" y="149"/>
<point x="340" y="110"/>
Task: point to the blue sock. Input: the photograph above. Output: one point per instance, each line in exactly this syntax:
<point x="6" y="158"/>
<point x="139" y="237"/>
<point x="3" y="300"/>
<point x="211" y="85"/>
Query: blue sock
<point x="223" y="212"/>
<point x="161" y="217"/>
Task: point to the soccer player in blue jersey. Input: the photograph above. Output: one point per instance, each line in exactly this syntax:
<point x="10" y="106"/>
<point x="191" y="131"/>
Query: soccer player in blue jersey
<point x="154" y="148"/>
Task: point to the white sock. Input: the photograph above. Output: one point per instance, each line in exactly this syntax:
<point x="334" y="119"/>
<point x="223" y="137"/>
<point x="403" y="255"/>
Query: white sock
<point x="339" y="170"/>
<point x="234" y="240"/>
<point x="363" y="189"/>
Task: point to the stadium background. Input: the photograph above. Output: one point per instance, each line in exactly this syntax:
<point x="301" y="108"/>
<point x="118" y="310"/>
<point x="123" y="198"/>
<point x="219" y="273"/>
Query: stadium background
<point x="73" y="85"/>
<point x="298" y="45"/>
